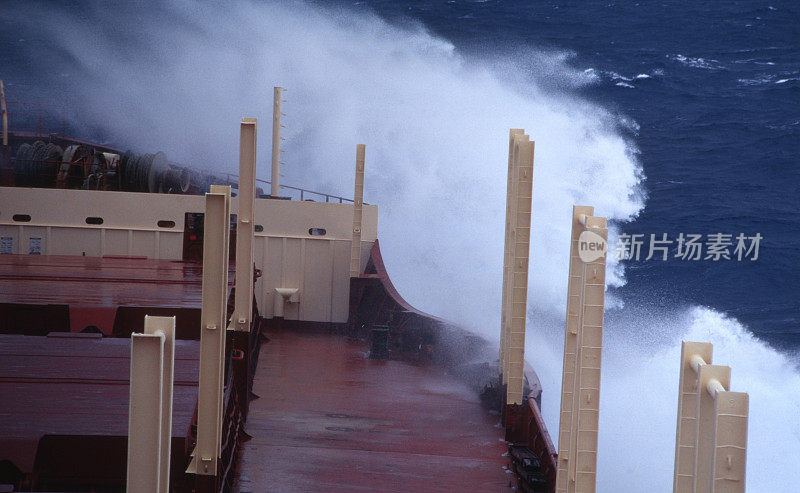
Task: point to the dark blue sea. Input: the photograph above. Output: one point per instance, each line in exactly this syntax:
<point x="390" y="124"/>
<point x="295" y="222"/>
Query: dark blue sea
<point x="675" y="119"/>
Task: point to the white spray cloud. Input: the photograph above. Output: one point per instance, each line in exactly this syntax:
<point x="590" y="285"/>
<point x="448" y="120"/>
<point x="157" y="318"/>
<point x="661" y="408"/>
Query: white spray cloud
<point x="179" y="76"/>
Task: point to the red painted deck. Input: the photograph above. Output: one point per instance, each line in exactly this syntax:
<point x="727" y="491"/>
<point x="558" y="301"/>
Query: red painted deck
<point x="105" y="282"/>
<point x="331" y="420"/>
<point x="44" y="293"/>
<point x="74" y="390"/>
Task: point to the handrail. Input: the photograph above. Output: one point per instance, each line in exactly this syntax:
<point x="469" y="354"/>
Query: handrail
<point x="233" y="180"/>
<point x="41" y="129"/>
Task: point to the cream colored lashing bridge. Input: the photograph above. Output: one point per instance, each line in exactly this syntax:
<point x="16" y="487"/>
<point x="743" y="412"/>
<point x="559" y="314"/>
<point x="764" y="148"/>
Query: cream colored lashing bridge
<point x="711" y="434"/>
<point x="515" y="264"/>
<point x="711" y="443"/>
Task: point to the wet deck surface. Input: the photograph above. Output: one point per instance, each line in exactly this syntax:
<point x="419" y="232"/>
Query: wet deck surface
<point x="77" y="387"/>
<point x="331" y="420"/>
<point x="105" y="282"/>
<point x="44" y="293"/>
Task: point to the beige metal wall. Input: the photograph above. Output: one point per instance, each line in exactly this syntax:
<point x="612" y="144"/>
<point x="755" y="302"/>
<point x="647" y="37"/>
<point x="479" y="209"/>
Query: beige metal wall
<point x="130" y="222"/>
<point x="287" y="254"/>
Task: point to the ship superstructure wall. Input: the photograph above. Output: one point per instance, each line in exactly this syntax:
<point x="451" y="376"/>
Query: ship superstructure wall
<point x="304" y="245"/>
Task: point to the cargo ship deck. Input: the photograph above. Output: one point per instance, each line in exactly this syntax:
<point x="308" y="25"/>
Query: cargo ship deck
<point x="322" y="377"/>
<point x="330" y="418"/>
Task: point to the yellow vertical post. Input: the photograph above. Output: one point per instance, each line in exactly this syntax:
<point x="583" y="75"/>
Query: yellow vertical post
<point x="706" y="410"/>
<point x="570" y="362"/>
<point x="212" y="331"/>
<point x="166" y="326"/>
<point x="508" y="251"/>
<point x="730" y="442"/>
<point x="4" y="112"/>
<point x="518" y="282"/>
<point x="583" y="343"/>
<point x="277" y="96"/>
<point x="711" y="436"/>
<point x="144" y="445"/>
<point x="358" y="205"/>
<point x="243" y="302"/>
<point x="226" y="231"/>
<point x="150" y="407"/>
<point x="688" y="394"/>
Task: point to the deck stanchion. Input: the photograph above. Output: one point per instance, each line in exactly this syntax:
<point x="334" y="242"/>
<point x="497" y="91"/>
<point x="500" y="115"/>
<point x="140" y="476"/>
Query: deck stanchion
<point x="243" y="298"/>
<point x="730" y="442"/>
<point x="515" y="268"/>
<point x="358" y="205"/>
<point x="711" y="435"/>
<point x="212" y="332"/>
<point x="275" y="188"/>
<point x="150" y="407"/>
<point x="685" y="453"/>
<point x="241" y="319"/>
<point x="583" y="343"/>
<point x="508" y="252"/>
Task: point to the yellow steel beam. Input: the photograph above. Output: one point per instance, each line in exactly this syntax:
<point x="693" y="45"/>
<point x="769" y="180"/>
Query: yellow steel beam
<point x="685" y="453"/>
<point x="277" y="100"/>
<point x="358" y="205"/>
<point x="150" y="407"/>
<point x="730" y="442"/>
<point x="583" y="342"/>
<point x="704" y="435"/>
<point x="212" y="332"/>
<point x="517" y="290"/>
<point x="711" y="436"/>
<point x="508" y="251"/>
<point x="243" y="299"/>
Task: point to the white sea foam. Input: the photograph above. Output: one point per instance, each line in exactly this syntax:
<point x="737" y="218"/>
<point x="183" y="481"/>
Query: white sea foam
<point x="698" y="62"/>
<point x="639" y="397"/>
<point x="619" y="79"/>
<point x="435" y="124"/>
<point x="616" y="76"/>
<point x="757" y="81"/>
<point x="764" y="79"/>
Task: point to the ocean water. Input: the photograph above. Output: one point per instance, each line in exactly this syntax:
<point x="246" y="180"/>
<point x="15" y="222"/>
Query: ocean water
<point x="712" y="91"/>
<point x="669" y="118"/>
